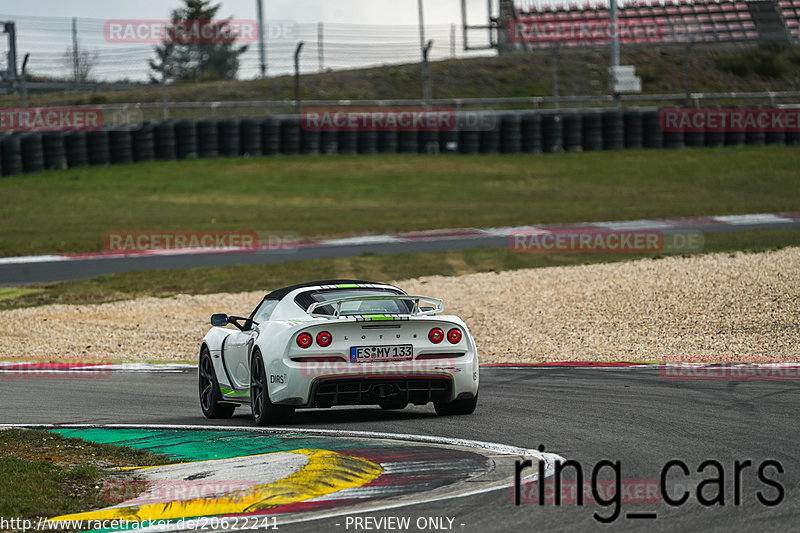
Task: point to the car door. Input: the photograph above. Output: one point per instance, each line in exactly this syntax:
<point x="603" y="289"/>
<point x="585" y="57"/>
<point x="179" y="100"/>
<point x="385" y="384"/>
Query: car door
<point x="236" y="354"/>
<point x="239" y="346"/>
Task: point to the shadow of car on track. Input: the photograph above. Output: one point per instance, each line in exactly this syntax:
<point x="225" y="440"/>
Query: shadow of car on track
<point x="334" y="416"/>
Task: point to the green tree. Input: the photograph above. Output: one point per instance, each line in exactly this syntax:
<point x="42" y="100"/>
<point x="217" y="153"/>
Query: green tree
<point x="182" y="56"/>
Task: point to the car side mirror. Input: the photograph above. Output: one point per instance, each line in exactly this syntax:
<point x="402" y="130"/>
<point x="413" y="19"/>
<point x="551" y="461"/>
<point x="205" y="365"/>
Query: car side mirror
<point x="219" y="320"/>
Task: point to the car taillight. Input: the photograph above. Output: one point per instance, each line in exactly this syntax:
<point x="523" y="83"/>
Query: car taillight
<point x="436" y="335"/>
<point x="454" y="336"/>
<point x="324" y="338"/>
<point x="304" y="340"/>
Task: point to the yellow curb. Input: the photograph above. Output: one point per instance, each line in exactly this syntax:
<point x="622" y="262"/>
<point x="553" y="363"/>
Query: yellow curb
<point x="326" y="472"/>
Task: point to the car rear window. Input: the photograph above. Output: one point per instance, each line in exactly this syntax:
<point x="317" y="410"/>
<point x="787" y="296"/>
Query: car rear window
<point x="367" y="307"/>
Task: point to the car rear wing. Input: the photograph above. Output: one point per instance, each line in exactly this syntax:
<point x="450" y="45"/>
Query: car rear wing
<point x="417" y="310"/>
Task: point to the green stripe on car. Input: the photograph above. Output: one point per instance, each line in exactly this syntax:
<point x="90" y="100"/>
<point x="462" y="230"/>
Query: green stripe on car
<point x="230" y="392"/>
<point x="378" y="317"/>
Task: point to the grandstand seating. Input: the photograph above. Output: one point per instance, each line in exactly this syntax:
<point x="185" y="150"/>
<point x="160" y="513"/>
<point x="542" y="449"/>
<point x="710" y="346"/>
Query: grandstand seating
<point x="680" y="21"/>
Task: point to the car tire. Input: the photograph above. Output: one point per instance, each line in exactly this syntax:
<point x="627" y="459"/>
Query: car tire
<point x="211" y="401"/>
<point x="465" y="406"/>
<point x="264" y="411"/>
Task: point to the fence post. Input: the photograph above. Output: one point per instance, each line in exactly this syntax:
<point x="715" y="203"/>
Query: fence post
<point x="164" y="110"/>
<point x="297" y="77"/>
<point x="262" y="58"/>
<point x="24" y="80"/>
<point x="688" y="70"/>
<point x="427" y="93"/>
<point x="452" y="41"/>
<point x="75" y="68"/>
<point x="555" y="75"/>
<point x="612" y="8"/>
<point x="424" y="48"/>
<point x="320" y="45"/>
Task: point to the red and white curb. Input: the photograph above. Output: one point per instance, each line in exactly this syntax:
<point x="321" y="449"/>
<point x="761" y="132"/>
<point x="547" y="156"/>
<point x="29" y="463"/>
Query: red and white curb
<point x="751" y="221"/>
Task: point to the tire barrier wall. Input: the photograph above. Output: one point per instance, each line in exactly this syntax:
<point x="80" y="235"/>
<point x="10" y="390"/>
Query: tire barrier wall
<point x="573" y="132"/>
<point x="348" y="142"/>
<point x="98" y="148"/>
<point x="32" y="152"/>
<point x="506" y="132"/>
<point x="289" y="135"/>
<point x="165" y="141"/>
<point x="613" y="130"/>
<point x="120" y="143"/>
<point x="270" y="136"/>
<point x="228" y="138"/>
<point x="250" y="143"/>
<point x="531" y="130"/>
<point x="552" y="132"/>
<point x="144" y="148"/>
<point x="11" y="151"/>
<point x="368" y="142"/>
<point x="75" y="146"/>
<point x="511" y="133"/>
<point x="55" y="152"/>
<point x="186" y="139"/>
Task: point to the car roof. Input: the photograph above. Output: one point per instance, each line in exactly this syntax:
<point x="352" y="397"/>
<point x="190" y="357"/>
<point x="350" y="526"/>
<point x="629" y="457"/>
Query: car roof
<point x="280" y="293"/>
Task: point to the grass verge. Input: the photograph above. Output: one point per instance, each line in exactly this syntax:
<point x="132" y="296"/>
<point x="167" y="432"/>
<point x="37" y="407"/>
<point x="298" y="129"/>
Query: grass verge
<point x="382" y="267"/>
<point x="72" y="210"/>
<point x="11" y="293"/>
<point x="44" y="474"/>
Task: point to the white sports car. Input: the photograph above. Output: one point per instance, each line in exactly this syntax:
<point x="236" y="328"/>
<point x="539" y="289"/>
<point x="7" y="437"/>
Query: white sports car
<point x="338" y="342"/>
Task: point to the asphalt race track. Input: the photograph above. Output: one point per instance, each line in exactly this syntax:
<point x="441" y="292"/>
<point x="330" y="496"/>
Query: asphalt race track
<point x="52" y="268"/>
<point x="632" y="415"/>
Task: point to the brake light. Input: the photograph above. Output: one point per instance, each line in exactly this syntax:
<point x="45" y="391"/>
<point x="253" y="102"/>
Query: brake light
<point x="319" y="359"/>
<point x="324" y="338"/>
<point x="436" y="335"/>
<point x="454" y="336"/>
<point x="304" y="340"/>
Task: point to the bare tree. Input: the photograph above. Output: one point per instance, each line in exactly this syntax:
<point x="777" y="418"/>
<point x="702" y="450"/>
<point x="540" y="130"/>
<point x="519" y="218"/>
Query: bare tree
<point x="86" y="61"/>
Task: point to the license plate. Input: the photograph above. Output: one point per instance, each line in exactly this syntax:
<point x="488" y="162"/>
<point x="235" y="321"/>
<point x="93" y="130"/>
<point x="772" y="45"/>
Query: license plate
<point x="397" y="352"/>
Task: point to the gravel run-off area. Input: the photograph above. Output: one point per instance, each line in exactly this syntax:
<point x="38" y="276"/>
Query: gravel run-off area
<point x="720" y="307"/>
